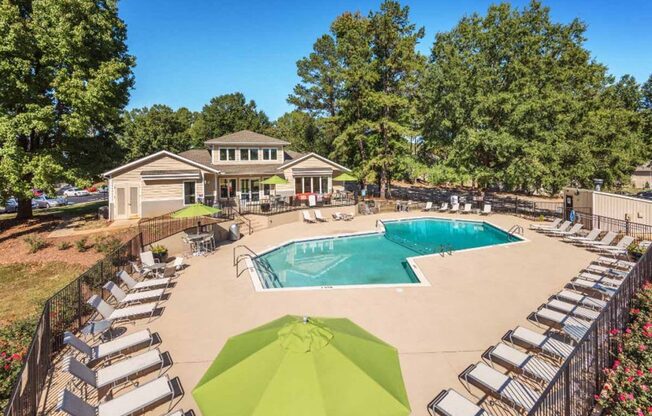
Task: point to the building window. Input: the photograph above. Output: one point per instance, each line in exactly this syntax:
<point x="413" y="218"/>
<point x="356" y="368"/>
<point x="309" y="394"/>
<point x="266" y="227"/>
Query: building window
<point x="227" y="188"/>
<point x="311" y="184"/>
<point x="298" y="185"/>
<point x="244" y="154"/>
<point x="189" y="193"/>
<point x="253" y="154"/>
<point x="227" y="154"/>
<point x="324" y="185"/>
<point x="307" y="185"/>
<point x="269" y="154"/>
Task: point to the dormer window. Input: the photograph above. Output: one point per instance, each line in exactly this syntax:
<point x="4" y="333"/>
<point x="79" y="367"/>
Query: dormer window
<point x="227" y="154"/>
<point x="248" y="154"/>
<point x="269" y="154"/>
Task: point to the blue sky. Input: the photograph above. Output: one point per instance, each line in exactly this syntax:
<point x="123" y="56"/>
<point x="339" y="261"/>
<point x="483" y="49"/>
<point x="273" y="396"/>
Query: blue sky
<point x="190" y="51"/>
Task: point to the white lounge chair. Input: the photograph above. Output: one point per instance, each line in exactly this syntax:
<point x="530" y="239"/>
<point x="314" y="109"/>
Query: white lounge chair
<point x="133" y="284"/>
<point x="495" y="383"/>
<point x="605" y="270"/>
<point x="110" y="375"/>
<point x="455" y="208"/>
<point x="108" y="312"/>
<point x="467" y="209"/>
<point x="592" y="288"/>
<point x="428" y="206"/>
<point x="178" y="264"/>
<point x="109" y="348"/>
<point x="340" y="216"/>
<point x="619" y="248"/>
<point x="548" y="225"/>
<point x="519" y="362"/>
<point x="451" y="403"/>
<point x="616" y="262"/>
<point x="142" y="272"/>
<point x="486" y="209"/>
<point x="319" y="217"/>
<point x="574" y="327"/>
<point x="307" y="217"/>
<point x="544" y="343"/>
<point x="604" y="280"/>
<point x="605" y="241"/>
<point x="591" y="236"/>
<point x="124" y="299"/>
<point x="581" y="299"/>
<point x="572" y="309"/>
<point x="563" y="227"/>
<point x="126" y="404"/>
<point x="444" y="207"/>
<point x="147" y="258"/>
<point x="573" y="230"/>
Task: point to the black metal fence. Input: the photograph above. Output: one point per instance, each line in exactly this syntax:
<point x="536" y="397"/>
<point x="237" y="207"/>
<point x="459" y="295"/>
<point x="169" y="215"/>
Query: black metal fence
<point x="158" y="228"/>
<point x="590" y="221"/>
<point x="288" y="204"/>
<point x="572" y="390"/>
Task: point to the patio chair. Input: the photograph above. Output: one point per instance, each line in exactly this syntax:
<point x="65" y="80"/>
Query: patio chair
<point x="535" y="341"/>
<point x="340" y="216"/>
<point x="307" y="218"/>
<point x="142" y="272"/>
<point x="124" y="299"/>
<point x="109" y="348"/>
<point x="549" y="225"/>
<point x="428" y="206"/>
<point x="573" y="327"/>
<point x="179" y="263"/>
<point x="605" y="241"/>
<point x="510" y="391"/>
<point x="605" y="270"/>
<point x="110" y="376"/>
<point x="451" y="403"/>
<point x="615" y="262"/>
<point x="591" y="236"/>
<point x="573" y="310"/>
<point x="563" y="227"/>
<point x="128" y="403"/>
<point x="581" y="299"/>
<point x="486" y="209"/>
<point x="130" y="312"/>
<point x="603" y="280"/>
<point x="147" y="258"/>
<point x="467" y="208"/>
<point x="319" y="217"/>
<point x="455" y="208"/>
<point x="444" y="207"/>
<point x="619" y="248"/>
<point x="135" y="285"/>
<point x="521" y="363"/>
<point x="592" y="288"/>
<point x="573" y="230"/>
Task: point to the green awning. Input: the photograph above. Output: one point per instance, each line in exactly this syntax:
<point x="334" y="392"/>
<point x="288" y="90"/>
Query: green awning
<point x="345" y="177"/>
<point x="274" y="180"/>
<point x="195" y="210"/>
<point x="297" y="366"/>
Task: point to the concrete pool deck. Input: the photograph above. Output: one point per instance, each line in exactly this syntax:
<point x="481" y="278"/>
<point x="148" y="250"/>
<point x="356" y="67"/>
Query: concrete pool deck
<point x="474" y="298"/>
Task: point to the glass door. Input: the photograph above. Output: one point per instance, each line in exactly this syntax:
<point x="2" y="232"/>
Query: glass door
<point x="255" y="189"/>
<point x="244" y="190"/>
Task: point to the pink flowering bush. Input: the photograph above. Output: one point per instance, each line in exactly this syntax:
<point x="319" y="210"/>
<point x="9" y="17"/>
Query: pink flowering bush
<point x="628" y="390"/>
<point x="14" y="341"/>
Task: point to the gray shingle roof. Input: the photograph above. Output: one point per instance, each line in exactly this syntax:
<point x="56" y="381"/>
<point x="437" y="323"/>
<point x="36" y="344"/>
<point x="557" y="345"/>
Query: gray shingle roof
<point x="247" y="137"/>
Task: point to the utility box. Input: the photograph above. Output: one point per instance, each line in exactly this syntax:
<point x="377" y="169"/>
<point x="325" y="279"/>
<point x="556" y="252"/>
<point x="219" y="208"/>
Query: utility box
<point x="234" y="232"/>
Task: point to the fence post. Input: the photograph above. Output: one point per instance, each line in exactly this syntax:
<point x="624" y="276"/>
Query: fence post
<point x="567" y="392"/>
<point x="516" y="205"/>
<point x="79" y="303"/>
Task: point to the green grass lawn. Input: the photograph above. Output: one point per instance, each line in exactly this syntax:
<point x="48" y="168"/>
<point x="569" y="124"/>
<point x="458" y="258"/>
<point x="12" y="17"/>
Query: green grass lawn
<point x="24" y="286"/>
<point x="68" y="211"/>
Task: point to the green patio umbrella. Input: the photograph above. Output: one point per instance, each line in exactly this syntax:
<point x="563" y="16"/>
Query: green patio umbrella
<point x="345" y="177"/>
<point x="274" y="180"/>
<point x="297" y="366"/>
<point x="195" y="210"/>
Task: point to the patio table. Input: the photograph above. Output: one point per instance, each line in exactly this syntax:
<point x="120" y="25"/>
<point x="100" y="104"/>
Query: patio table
<point x="197" y="237"/>
<point x="156" y="267"/>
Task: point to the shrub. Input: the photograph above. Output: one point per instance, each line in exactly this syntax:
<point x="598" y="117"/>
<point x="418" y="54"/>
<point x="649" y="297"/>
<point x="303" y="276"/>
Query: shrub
<point x="628" y="390"/>
<point x="64" y="245"/>
<point x="35" y="243"/>
<point x="81" y="245"/>
<point x="14" y="341"/>
<point x="106" y="244"/>
<point x="159" y="250"/>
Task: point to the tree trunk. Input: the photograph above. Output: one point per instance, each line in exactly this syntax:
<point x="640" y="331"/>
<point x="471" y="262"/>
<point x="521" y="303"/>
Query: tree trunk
<point x="24" y="210"/>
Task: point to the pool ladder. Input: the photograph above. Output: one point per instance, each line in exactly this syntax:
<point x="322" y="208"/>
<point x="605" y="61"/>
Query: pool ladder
<point x="516" y="229"/>
<point x="445" y="249"/>
<point x="250" y="254"/>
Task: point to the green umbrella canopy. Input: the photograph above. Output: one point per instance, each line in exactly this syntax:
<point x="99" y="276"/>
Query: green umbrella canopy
<point x="298" y="366"/>
<point x="195" y="210"/>
<point x="345" y="177"/>
<point x="274" y="180"/>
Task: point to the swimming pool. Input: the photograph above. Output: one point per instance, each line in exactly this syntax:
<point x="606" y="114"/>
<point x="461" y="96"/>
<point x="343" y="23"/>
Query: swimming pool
<point x="378" y="258"/>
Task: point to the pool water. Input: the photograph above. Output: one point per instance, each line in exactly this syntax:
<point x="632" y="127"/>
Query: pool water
<point x="371" y="259"/>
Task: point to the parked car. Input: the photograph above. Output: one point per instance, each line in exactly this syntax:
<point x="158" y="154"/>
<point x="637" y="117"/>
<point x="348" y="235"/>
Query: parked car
<point x="45" y="201"/>
<point x="75" y="192"/>
<point x="645" y="195"/>
<point x="91" y="189"/>
<point x="37" y="192"/>
<point x="103" y="189"/>
<point x="11" y="205"/>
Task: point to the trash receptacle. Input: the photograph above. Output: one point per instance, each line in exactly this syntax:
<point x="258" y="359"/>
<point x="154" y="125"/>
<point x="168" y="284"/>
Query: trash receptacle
<point x="103" y="212"/>
<point x="234" y="232"/>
